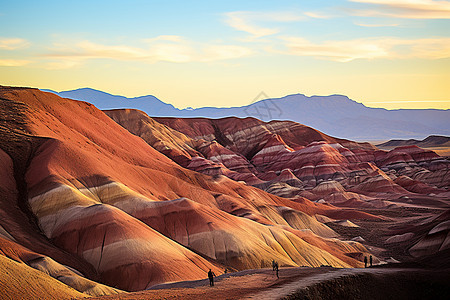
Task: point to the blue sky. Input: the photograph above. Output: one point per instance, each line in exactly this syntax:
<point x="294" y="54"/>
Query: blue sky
<point x="393" y="54"/>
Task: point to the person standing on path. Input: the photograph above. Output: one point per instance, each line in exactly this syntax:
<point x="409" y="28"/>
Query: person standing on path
<point x="276" y="269"/>
<point x="211" y="277"/>
<point x="365" y="261"/>
<point x="370" y="259"/>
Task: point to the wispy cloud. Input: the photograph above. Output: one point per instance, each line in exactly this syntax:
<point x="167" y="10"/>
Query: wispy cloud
<point x="430" y="48"/>
<point x="162" y="48"/>
<point x="63" y="64"/>
<point x="411" y="9"/>
<point x="247" y="21"/>
<point x="171" y="38"/>
<point x="316" y="15"/>
<point x="348" y="50"/>
<point x="376" y="25"/>
<point x="13" y="43"/>
<point x="13" y="62"/>
<point x="224" y="52"/>
<point x="342" y="51"/>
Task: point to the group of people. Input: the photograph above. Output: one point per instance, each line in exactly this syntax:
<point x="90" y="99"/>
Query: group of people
<point x="211" y="274"/>
<point x="365" y="261"/>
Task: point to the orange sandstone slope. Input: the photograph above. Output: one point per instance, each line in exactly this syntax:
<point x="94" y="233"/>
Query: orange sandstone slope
<point x="297" y="162"/>
<point x="291" y="160"/>
<point x="124" y="214"/>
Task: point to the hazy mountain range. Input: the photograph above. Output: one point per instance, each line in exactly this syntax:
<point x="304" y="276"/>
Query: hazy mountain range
<point x="336" y="115"/>
<point x="431" y="141"/>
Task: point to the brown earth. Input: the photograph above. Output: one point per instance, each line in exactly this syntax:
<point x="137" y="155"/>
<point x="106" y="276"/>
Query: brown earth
<point x="308" y="283"/>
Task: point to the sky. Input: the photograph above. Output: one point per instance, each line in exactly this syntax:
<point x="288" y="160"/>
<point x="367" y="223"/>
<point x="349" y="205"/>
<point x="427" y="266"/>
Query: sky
<point x="391" y="54"/>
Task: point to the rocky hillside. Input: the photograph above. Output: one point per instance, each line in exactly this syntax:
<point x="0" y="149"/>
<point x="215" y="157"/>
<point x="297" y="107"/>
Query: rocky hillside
<point x="114" y="201"/>
<point x="100" y="209"/>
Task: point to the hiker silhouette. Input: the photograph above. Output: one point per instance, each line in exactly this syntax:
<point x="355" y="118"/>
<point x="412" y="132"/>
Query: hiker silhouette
<point x="211" y="277"/>
<point x="273" y="265"/>
<point x="365" y="261"/>
<point x="276" y="268"/>
<point x="371" y="260"/>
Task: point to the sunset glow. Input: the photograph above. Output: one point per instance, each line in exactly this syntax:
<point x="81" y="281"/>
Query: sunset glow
<point x="392" y="54"/>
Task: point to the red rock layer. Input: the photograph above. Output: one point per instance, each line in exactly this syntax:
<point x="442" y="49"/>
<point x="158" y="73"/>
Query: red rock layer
<point x="92" y="186"/>
<point x="313" y="157"/>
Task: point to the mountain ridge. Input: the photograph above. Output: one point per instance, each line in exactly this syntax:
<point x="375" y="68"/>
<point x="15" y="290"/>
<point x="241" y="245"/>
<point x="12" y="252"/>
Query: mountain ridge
<point x="430" y="141"/>
<point x="336" y="115"/>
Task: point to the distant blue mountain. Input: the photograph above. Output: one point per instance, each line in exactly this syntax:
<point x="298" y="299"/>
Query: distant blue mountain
<point x="335" y="115"/>
<point x="149" y="104"/>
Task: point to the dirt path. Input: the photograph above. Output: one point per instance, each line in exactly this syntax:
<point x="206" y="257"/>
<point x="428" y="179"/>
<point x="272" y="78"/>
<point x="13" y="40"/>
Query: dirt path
<point x="289" y="288"/>
<point x="263" y="283"/>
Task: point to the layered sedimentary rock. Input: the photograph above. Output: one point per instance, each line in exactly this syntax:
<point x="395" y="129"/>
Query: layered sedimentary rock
<point x="434" y="240"/>
<point x="17" y="279"/>
<point x="313" y="158"/>
<point x="108" y="205"/>
<point x="73" y="278"/>
<point x="294" y="161"/>
<point x="103" y="207"/>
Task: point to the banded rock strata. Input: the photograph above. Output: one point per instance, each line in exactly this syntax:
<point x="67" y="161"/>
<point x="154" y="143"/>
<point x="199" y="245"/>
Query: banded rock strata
<point x="83" y="192"/>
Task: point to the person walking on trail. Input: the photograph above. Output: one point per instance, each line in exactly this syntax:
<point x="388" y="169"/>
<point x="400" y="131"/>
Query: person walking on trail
<point x="273" y="265"/>
<point x="365" y="261"/>
<point x="276" y="269"/>
<point x="211" y="277"/>
<point x="370" y="259"/>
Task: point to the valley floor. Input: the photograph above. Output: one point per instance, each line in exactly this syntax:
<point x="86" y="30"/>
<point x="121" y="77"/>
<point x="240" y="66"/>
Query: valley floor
<point x="309" y="283"/>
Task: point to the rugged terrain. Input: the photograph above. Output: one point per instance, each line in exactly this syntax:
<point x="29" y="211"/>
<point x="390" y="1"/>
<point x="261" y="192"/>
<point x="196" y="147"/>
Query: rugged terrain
<point x="334" y="114"/>
<point x="114" y="201"/>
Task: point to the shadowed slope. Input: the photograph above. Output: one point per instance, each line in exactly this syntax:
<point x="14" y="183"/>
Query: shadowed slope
<point x="20" y="281"/>
<point x="90" y="184"/>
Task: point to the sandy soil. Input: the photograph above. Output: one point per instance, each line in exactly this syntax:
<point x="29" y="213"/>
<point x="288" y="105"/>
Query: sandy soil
<point x="227" y="286"/>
